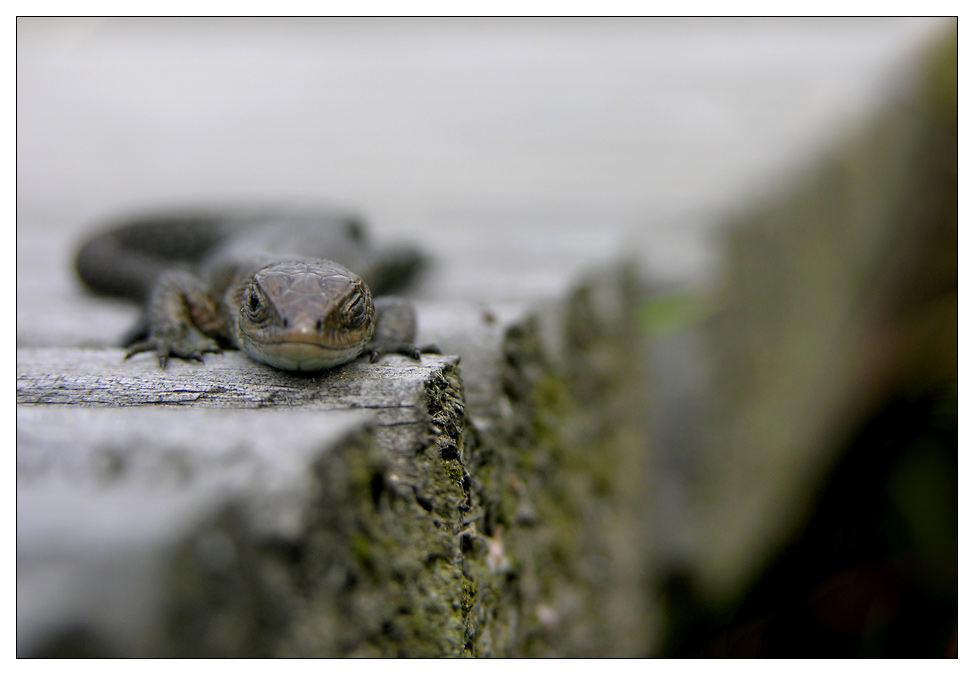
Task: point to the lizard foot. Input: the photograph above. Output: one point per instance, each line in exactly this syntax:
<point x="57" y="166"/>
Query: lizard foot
<point x="376" y="351"/>
<point x="395" y="330"/>
<point x="187" y="347"/>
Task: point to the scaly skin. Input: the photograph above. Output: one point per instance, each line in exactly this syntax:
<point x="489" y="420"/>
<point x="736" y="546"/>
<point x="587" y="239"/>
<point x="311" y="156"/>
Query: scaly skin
<point x="292" y="313"/>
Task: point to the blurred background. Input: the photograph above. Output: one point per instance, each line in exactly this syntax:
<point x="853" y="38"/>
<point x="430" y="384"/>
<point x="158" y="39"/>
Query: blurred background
<point x="649" y="122"/>
<point x="666" y="138"/>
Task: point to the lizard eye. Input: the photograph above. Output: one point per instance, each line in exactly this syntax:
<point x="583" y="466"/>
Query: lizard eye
<point x="356" y="312"/>
<point x="254" y="305"/>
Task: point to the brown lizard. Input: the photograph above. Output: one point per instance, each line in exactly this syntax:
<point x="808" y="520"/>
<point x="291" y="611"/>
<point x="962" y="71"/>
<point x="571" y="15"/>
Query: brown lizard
<point x="277" y="284"/>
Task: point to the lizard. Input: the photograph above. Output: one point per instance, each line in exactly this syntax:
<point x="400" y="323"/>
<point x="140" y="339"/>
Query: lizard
<point x="258" y="281"/>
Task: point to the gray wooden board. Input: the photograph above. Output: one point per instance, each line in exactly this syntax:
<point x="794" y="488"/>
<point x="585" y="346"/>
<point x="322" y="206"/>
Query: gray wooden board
<point x="101" y="377"/>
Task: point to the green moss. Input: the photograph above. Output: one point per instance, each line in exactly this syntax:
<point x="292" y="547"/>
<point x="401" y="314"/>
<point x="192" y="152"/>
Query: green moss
<point x="670" y="313"/>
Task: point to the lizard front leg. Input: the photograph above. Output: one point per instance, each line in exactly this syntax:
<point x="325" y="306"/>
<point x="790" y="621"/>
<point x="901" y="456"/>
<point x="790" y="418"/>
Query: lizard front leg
<point x="183" y="319"/>
<point x="395" y="330"/>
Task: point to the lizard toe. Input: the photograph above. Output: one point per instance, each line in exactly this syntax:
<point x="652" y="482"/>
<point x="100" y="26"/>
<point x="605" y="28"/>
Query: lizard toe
<point x="190" y="348"/>
<point x="143" y="346"/>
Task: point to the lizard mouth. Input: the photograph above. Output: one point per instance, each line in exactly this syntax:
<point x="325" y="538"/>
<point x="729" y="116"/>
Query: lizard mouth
<point x="301" y="353"/>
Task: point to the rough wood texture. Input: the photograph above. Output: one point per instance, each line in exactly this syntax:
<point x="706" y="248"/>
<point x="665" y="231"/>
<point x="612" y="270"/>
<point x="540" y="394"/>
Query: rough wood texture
<point x="393" y="389"/>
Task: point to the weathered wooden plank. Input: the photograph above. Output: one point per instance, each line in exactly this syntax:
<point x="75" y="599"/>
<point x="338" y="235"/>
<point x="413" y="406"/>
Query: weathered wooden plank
<point x="100" y="377"/>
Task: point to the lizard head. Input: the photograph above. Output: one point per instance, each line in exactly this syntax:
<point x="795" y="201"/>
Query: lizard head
<point x="304" y="316"/>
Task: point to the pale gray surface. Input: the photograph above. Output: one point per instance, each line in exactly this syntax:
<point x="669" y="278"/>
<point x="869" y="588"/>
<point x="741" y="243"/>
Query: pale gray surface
<point x="439" y="127"/>
<point x="106" y="498"/>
